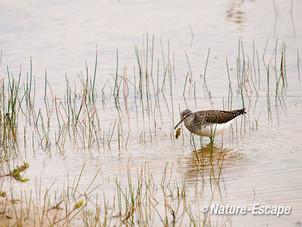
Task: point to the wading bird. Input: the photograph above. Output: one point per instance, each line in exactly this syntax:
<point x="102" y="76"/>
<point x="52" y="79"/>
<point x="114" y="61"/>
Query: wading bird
<point x="209" y="122"/>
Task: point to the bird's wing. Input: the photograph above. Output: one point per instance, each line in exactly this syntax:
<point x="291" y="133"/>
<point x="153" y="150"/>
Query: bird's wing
<point x="219" y="116"/>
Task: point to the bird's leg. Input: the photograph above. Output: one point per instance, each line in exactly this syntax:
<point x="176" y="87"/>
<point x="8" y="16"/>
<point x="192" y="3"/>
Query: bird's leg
<point x="211" y="147"/>
<point x="211" y="140"/>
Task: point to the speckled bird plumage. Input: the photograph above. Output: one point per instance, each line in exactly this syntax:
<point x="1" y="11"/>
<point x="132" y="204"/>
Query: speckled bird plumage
<point x="209" y="122"/>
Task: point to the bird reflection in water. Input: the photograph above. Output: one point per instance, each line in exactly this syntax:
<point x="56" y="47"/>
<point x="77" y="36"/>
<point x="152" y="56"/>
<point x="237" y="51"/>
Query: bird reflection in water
<point x="210" y="161"/>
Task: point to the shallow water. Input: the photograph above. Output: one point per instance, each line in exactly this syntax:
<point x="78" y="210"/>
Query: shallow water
<point x="261" y="152"/>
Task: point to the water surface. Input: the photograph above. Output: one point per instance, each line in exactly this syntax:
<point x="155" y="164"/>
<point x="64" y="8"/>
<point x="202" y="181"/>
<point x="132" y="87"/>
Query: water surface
<point x="261" y="152"/>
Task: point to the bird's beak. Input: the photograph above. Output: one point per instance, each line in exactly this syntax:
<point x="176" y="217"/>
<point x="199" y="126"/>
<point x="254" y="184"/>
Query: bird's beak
<point x="179" y="122"/>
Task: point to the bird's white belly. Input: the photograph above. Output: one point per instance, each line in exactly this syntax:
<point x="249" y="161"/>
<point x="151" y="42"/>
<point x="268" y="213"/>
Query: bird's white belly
<point x="213" y="129"/>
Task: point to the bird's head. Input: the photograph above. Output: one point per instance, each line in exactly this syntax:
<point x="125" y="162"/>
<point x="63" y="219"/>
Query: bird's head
<point x="184" y="115"/>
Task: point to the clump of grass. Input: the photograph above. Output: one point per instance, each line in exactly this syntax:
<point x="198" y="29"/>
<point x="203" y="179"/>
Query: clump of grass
<point x="9" y="103"/>
<point x="141" y="203"/>
<point x="77" y="115"/>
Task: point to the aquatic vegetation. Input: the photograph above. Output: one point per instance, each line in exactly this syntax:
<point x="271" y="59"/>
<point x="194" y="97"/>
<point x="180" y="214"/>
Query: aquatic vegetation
<point x="132" y="109"/>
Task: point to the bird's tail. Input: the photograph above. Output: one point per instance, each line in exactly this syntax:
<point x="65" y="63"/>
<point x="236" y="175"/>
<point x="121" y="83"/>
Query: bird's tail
<point x="240" y="112"/>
